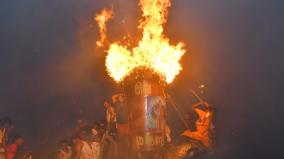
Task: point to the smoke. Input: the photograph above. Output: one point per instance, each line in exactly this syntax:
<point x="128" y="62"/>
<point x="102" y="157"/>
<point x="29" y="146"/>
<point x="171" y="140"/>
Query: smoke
<point x="47" y="80"/>
<point x="50" y="68"/>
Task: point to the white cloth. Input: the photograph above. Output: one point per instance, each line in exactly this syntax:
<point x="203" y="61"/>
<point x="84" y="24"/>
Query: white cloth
<point x="90" y="151"/>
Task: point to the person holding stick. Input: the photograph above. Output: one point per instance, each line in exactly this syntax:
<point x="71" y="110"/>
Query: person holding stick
<point x="203" y="124"/>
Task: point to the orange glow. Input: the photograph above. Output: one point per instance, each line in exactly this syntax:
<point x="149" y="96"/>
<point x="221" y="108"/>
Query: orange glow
<point x="102" y="19"/>
<point x="153" y="52"/>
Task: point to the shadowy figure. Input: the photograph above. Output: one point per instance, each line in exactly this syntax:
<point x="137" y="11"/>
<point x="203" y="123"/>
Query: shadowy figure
<point x="204" y="126"/>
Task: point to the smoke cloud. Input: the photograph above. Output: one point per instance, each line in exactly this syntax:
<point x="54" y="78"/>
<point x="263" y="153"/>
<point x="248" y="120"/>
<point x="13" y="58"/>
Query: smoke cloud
<point x="51" y="71"/>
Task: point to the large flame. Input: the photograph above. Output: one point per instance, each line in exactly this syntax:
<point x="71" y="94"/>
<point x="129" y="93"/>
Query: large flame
<point x="102" y="18"/>
<point x="154" y="52"/>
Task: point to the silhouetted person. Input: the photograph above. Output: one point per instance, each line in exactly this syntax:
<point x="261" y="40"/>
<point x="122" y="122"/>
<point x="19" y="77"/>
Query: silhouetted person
<point x="110" y="114"/>
<point x="121" y="110"/>
<point x="122" y="125"/>
<point x="203" y="124"/>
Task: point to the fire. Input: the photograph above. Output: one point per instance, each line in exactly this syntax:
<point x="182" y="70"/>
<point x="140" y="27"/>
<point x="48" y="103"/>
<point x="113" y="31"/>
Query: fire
<point x="102" y="18"/>
<point x="153" y="52"/>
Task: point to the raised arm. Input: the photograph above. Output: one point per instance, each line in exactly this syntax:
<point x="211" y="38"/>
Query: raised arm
<point x="197" y="104"/>
<point x="206" y="104"/>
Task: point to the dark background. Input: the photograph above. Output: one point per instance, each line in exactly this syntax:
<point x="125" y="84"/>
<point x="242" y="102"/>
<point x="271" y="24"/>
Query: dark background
<point x="51" y="72"/>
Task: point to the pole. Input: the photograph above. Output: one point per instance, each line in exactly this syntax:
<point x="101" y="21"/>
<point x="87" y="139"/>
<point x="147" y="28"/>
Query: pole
<point x="195" y="94"/>
<point x="178" y="112"/>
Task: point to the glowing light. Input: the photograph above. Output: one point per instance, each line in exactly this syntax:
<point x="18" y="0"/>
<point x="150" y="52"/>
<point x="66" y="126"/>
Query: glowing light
<point x="153" y="52"/>
<point x="102" y="18"/>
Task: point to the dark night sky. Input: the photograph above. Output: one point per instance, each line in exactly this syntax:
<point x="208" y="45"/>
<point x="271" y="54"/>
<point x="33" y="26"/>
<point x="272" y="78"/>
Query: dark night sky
<point x="50" y="69"/>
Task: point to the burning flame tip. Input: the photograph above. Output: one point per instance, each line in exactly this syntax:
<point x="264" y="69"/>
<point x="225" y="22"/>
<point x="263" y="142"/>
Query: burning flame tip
<point x="153" y="52"/>
<point x="102" y="18"/>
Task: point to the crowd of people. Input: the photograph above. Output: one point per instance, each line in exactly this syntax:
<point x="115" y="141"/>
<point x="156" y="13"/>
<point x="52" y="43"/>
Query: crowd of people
<point x="100" y="140"/>
<point x="110" y="139"/>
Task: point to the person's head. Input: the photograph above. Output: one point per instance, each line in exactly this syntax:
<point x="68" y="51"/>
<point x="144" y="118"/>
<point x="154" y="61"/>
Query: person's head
<point x="106" y="104"/>
<point x="102" y="125"/>
<point x="18" y="140"/>
<point x="95" y="128"/>
<point x="94" y="131"/>
<point x="84" y="133"/>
